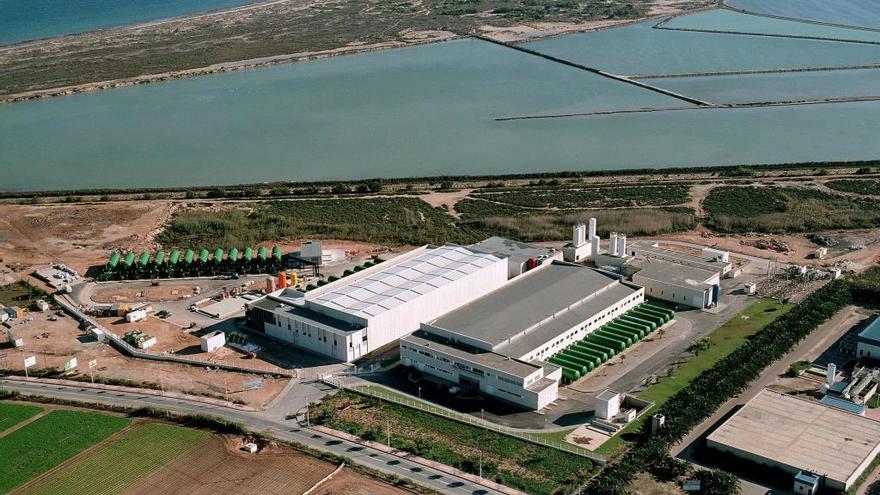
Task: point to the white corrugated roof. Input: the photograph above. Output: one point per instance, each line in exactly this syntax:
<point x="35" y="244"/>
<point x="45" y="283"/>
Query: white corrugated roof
<point x="395" y="284"/>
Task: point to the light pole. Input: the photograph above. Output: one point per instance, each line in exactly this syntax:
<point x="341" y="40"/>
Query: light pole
<point x="482" y="419"/>
<point x="420" y="391"/>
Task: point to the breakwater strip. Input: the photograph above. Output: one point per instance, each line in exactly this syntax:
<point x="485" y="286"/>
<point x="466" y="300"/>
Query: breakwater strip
<point x="749" y="72"/>
<point x="727" y="6"/>
<point x="726" y="106"/>
<point x="662" y="25"/>
<point x="602" y="73"/>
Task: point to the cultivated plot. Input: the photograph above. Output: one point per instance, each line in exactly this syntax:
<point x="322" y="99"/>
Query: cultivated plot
<point x="47" y="442"/>
<point x="116" y="466"/>
<point x="13" y="414"/>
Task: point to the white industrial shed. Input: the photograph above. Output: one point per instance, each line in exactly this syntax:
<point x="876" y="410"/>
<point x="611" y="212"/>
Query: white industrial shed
<point x="709" y="259"/>
<point x="796" y="435"/>
<point x="531" y="318"/>
<point x="360" y="313"/>
<point x="681" y="284"/>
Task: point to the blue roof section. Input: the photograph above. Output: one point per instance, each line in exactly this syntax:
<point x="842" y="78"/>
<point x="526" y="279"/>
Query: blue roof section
<point x="843" y="405"/>
<point x="871" y="333"/>
<point x="838" y="387"/>
<point x="807" y="478"/>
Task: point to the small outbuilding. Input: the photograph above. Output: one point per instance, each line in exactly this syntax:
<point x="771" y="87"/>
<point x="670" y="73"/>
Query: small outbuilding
<point x="212" y="341"/>
<point x="607" y="404"/>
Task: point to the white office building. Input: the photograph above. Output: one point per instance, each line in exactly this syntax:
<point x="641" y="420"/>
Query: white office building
<point x="497" y="344"/>
<point x="360" y="313"/>
<point x="680" y="284"/>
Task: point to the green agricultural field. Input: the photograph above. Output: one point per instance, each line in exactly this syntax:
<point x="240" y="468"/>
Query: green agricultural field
<point x="139" y="452"/>
<point x="530" y="225"/>
<point x="12" y="414"/>
<point x="591" y="197"/>
<point x="721" y="342"/>
<point x="858" y="186"/>
<point x="381" y="220"/>
<point x="513" y="462"/>
<point x="47" y="442"/>
<point x="786" y="209"/>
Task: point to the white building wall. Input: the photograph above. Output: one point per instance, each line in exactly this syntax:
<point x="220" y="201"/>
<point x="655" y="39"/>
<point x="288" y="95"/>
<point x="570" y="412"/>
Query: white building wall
<point x="574" y="254"/>
<point x="493" y="382"/>
<point x="586" y="327"/>
<point x="864" y="349"/>
<point x="315" y="339"/>
<point x="696" y="296"/>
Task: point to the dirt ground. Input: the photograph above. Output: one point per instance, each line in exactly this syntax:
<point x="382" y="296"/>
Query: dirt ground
<point x="217" y="466"/>
<point x="644" y="484"/>
<point x="162" y="293"/>
<point x="78" y="235"/>
<point x="55" y="342"/>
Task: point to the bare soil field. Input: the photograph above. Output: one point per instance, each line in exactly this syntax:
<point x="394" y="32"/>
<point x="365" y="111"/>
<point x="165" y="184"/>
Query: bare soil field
<point x="162" y="293"/>
<point x="218" y="466"/>
<point x="79" y="235"/>
<point x="55" y="342"/>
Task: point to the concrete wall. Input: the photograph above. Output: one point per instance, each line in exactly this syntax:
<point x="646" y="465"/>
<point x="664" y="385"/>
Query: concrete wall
<point x="315" y="339"/>
<point x="864" y="349"/>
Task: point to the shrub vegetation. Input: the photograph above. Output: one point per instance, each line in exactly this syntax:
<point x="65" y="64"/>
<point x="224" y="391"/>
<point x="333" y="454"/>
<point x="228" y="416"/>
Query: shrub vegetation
<point x="858" y="186"/>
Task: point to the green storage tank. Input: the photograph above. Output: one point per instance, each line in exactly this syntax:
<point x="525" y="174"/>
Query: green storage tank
<point x="262" y="253"/>
<point x="634" y="334"/>
<point x="615" y="334"/>
<point x="276" y="253"/>
<point x="612" y="343"/>
<point x="203" y="256"/>
<point x="233" y="255"/>
<point x="114" y="260"/>
<point x="587" y="359"/>
<point x="571" y="364"/>
<point x="129" y="259"/>
<point x="600" y="349"/>
<point x="174" y="258"/>
<point x="159" y="258"/>
<point x="605" y="348"/>
<point x="640" y="331"/>
<point x="248" y="254"/>
<point x="584" y="347"/>
<point x="569" y="374"/>
<point x="188" y="256"/>
<point x="218" y="255"/>
<point x="144" y="259"/>
<point x="638" y="321"/>
<point x="593" y="358"/>
<point x="641" y="310"/>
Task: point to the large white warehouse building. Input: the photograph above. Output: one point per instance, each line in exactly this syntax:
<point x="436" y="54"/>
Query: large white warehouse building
<point x="497" y="344"/>
<point x="358" y="314"/>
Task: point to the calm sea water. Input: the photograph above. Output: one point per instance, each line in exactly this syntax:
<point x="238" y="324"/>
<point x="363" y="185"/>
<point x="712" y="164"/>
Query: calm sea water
<point x="728" y="20"/>
<point x="776" y="87"/>
<point x="639" y="49"/>
<point x="864" y="13"/>
<point x="22" y="20"/>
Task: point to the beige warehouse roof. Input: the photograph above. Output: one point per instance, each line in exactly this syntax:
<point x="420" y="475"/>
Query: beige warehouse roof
<point x="800" y="433"/>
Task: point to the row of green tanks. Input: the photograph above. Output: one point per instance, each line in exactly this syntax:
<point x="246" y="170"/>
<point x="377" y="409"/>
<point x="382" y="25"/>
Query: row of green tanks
<point x="614" y="337"/>
<point x="189" y="263"/>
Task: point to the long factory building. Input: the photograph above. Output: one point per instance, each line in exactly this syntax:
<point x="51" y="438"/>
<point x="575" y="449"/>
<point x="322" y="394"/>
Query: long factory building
<point x="360" y="313"/>
<point x="499" y="343"/>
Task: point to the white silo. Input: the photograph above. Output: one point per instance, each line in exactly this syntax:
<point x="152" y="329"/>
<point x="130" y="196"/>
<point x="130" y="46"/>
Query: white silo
<point x="592" y="231"/>
<point x="578" y="234"/>
<point x="594" y="250"/>
<point x="612" y="244"/>
<point x="830" y="373"/>
<point x="621" y="245"/>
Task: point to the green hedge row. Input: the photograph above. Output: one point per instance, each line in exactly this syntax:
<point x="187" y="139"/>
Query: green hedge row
<point x="730" y="376"/>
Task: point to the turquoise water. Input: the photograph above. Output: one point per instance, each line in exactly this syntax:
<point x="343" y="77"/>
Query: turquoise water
<point x="22" y="20"/>
<point x="863" y="13"/>
<point x="424" y="110"/>
<point x="776" y="87"/>
<point x="728" y="20"/>
<point x="639" y="49"/>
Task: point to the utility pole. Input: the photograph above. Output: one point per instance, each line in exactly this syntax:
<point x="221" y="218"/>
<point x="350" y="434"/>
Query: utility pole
<point x="482" y="418"/>
<point x="225" y="388"/>
<point x="388" y="432"/>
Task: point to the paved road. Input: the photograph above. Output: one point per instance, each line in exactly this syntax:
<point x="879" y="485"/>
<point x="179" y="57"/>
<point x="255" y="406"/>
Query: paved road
<point x="807" y="350"/>
<point x="285" y="430"/>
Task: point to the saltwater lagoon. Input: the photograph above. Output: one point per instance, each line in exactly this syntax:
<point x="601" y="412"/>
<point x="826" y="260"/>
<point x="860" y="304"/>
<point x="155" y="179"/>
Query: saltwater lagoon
<point x="431" y="110"/>
<point x="863" y="13"/>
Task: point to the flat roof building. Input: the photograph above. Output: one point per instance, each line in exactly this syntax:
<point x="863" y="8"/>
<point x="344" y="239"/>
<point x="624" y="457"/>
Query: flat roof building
<point x="360" y="313"/>
<point x="680" y="284"/>
<point x="521" y="257"/>
<point x="868" y="340"/>
<point x="528" y="320"/>
<point x="798" y="435"/>
<point x="707" y="260"/>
